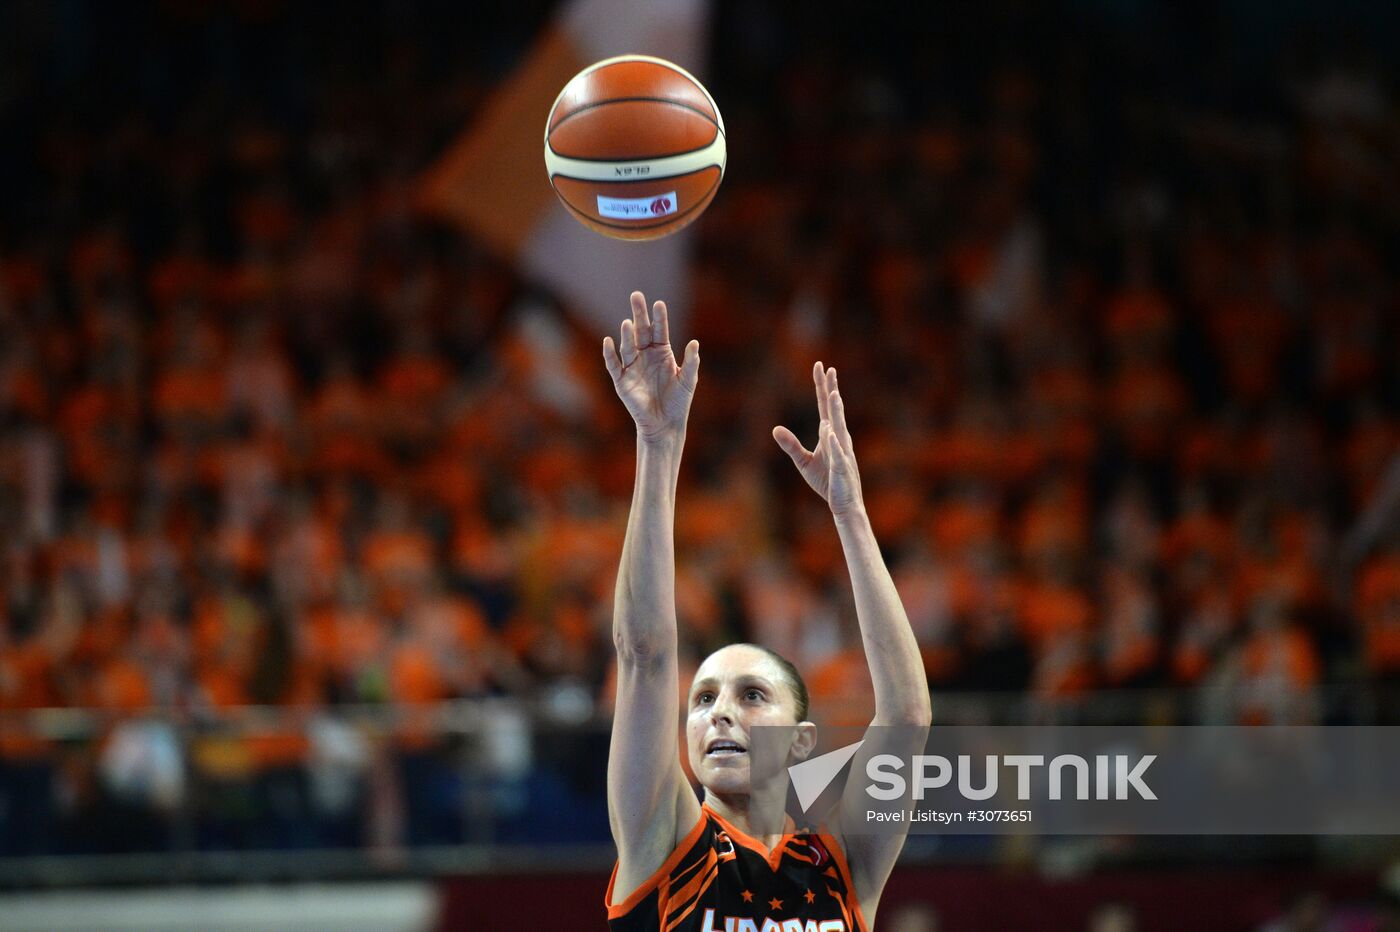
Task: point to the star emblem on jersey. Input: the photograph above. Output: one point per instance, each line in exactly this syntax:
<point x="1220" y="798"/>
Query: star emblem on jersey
<point x="811" y="897"/>
<point x="748" y="896"/>
<point x="775" y="903"/>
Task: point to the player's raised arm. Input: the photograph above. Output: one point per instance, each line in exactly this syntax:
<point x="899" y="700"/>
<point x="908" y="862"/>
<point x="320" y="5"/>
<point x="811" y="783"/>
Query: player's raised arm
<point x="650" y="803"/>
<point x="896" y="668"/>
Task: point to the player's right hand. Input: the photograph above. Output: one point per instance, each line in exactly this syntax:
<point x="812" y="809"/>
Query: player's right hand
<point x="656" y="391"/>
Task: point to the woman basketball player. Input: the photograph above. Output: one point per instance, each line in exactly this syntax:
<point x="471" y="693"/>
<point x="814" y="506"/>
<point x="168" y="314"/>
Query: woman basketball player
<point x="687" y="865"/>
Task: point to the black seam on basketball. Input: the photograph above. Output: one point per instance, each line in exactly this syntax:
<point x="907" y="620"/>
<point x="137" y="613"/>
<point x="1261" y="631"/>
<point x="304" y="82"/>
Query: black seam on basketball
<point x="630" y="161"/>
<point x="670" y="218"/>
<point x="676" y="69"/>
<point x="625" y="100"/>
<point x="640" y="158"/>
<point x="647" y="60"/>
<point x="652" y="178"/>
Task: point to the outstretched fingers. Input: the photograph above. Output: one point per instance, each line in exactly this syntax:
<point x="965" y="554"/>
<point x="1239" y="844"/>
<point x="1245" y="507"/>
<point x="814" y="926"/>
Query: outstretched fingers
<point x="835" y="454"/>
<point x="627" y="343"/>
<point x="641" y="320"/>
<point x="838" y="418"/>
<point x="819" y="380"/>
<point x="660" y="325"/>
<point x="793" y="447"/>
<point x="690" y="367"/>
<point x="610" y="358"/>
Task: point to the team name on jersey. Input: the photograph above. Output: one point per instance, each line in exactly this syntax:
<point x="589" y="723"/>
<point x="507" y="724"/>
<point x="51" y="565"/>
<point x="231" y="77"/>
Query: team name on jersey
<point x="745" y="924"/>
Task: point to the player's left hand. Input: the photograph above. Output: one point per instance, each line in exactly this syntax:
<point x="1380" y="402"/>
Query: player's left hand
<point x="830" y="468"/>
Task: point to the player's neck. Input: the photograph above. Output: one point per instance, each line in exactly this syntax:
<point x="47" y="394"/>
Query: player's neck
<point x="735" y="810"/>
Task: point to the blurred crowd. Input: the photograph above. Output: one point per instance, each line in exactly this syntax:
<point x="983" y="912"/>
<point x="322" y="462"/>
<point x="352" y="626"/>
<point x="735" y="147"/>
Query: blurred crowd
<point x="1121" y="355"/>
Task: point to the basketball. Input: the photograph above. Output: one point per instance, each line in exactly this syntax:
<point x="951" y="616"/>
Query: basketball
<point x="634" y="147"/>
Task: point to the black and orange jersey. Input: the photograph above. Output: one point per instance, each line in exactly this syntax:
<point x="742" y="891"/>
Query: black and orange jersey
<point x="721" y="880"/>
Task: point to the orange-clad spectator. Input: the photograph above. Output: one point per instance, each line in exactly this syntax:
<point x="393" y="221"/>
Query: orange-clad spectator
<point x="1284" y="575"/>
<point x="1063" y="389"/>
<point x="965" y="521"/>
<point x="1148" y="402"/>
<point x="1054" y="523"/>
<point x="1206" y="448"/>
<point x="452" y="481"/>
<point x="469" y="654"/>
<point x="361" y="643"/>
<point x="554" y="468"/>
<point x="306" y="557"/>
<point x="482" y="555"/>
<point x="1131" y="532"/>
<point x="1249" y="335"/>
<point x="98" y="255"/>
<point x="1378" y="607"/>
<point x="816" y="551"/>
<point x="841" y="693"/>
<point x="222" y="685"/>
<point x="1374" y="441"/>
<point x="923" y="588"/>
<point x="1139" y="321"/>
<point x="717" y="517"/>
<point x="1348" y="332"/>
<point x="561" y="643"/>
<point x="1209" y="624"/>
<point x="779" y="605"/>
<point x="191" y="384"/>
<point x="121" y="685"/>
<point x="1278" y="669"/>
<point x="26" y="682"/>
<point x="895" y="508"/>
<point x="412" y="382"/>
<point x="1198" y="547"/>
<point x="698" y="608"/>
<point x="259" y="378"/>
<point x="571" y="551"/>
<point x="970" y="448"/>
<point x="1024" y="454"/>
<point x="1131" y="636"/>
<point x="415" y="676"/>
<point x="1053" y="610"/>
<point x="342" y="403"/>
<point x="397" y="555"/>
<point x="182" y="276"/>
<point x="1068" y="442"/>
<point x="26" y="674"/>
<point x="1065" y="668"/>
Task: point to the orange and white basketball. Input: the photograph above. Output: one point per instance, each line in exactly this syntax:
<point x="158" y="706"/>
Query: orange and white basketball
<point x="635" y="147"/>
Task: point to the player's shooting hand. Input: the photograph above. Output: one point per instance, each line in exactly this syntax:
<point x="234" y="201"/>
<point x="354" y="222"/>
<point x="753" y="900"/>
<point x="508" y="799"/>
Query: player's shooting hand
<point x="830" y="467"/>
<point x="656" y="391"/>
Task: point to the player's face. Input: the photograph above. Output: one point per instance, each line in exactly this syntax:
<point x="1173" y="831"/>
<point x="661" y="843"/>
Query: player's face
<point x="735" y="689"/>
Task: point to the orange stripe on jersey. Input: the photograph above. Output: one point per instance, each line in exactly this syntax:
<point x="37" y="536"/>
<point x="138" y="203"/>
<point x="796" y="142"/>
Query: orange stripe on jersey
<point x="660" y="875"/>
<point x="694" y="885"/>
<point x="795" y="855"/>
<point x="839" y="856"/>
<point x="688" y="890"/>
<point x="675" y="921"/>
<point x="841" y="901"/>
<point x="702" y="860"/>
